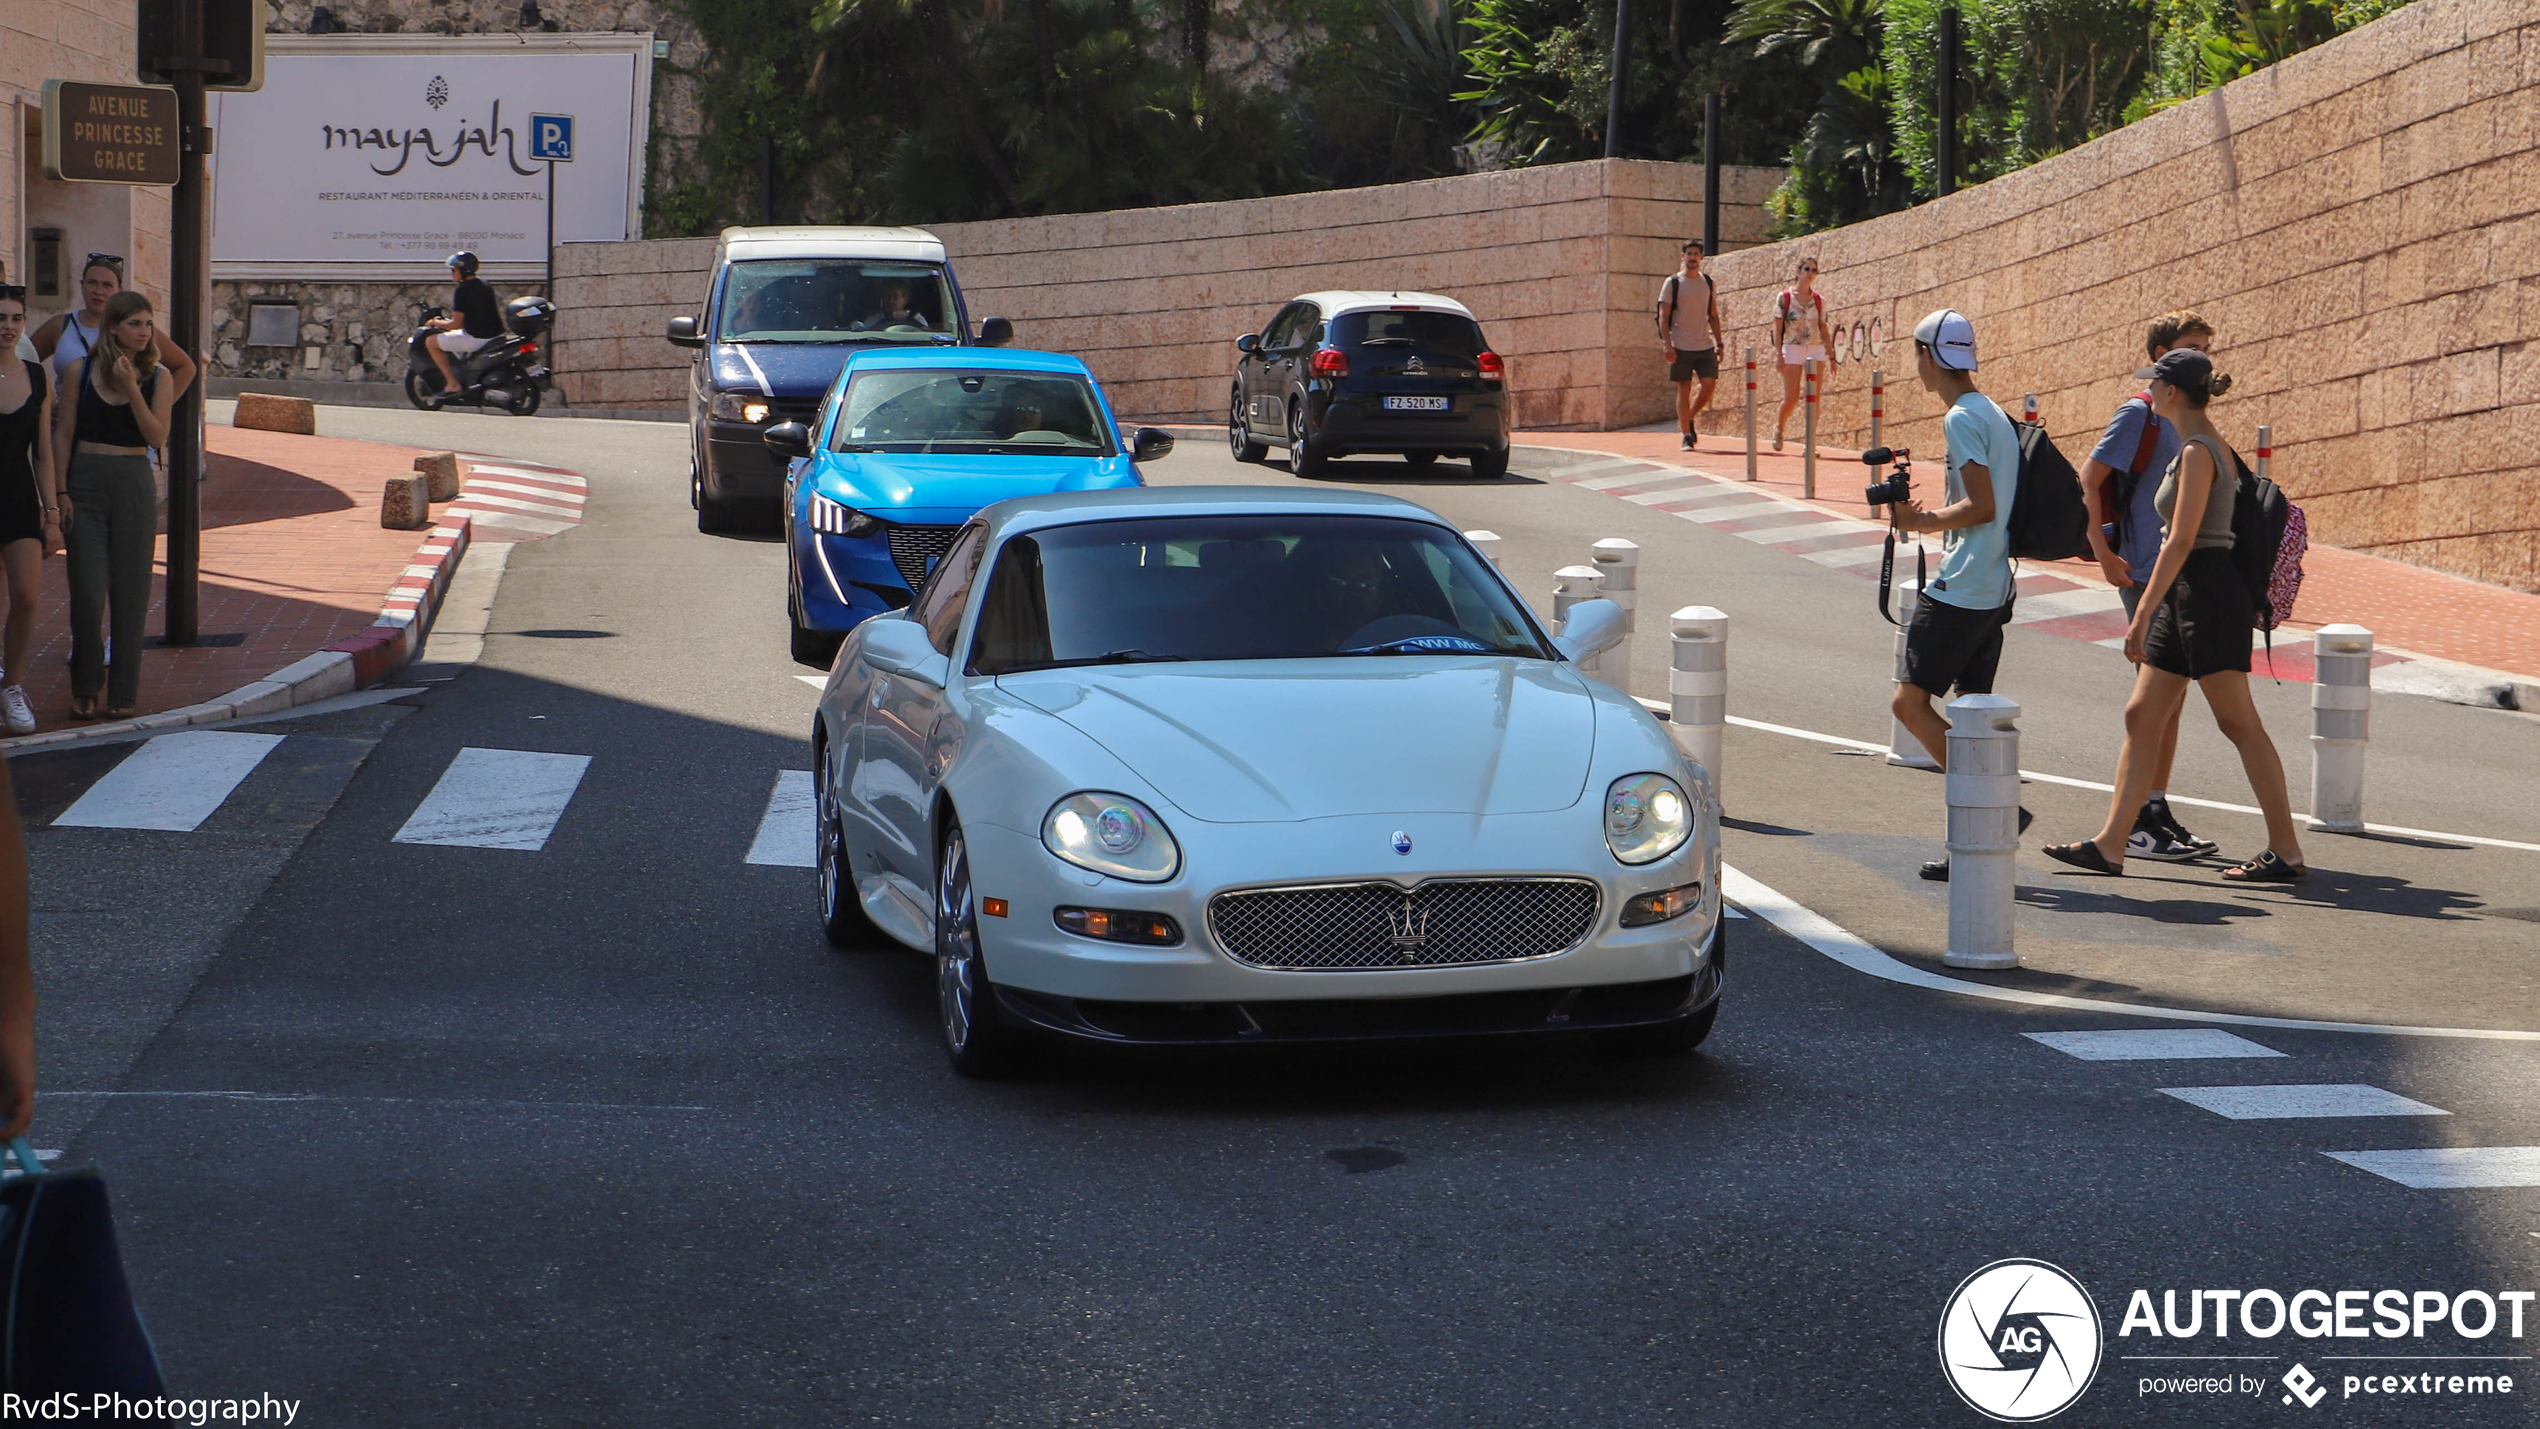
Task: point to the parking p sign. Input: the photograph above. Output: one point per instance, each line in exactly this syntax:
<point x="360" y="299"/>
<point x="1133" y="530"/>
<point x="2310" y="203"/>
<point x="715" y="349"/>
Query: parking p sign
<point x="551" y="137"/>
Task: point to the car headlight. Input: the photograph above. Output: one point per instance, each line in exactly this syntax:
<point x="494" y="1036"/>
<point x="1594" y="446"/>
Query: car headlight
<point x="832" y="518"/>
<point x="1647" y="817"/>
<point x="741" y="407"/>
<point x="1114" y="834"/>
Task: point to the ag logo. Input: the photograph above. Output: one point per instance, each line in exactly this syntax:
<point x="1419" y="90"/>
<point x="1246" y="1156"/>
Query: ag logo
<point x="2019" y="1341"/>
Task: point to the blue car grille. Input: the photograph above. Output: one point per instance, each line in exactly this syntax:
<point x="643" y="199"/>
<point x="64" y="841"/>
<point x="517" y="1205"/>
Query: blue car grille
<point x="1441" y="923"/>
<point x="914" y="547"/>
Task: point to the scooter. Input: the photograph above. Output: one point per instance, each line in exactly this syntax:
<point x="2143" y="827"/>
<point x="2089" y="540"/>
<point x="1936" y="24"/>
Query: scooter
<point x="505" y="373"/>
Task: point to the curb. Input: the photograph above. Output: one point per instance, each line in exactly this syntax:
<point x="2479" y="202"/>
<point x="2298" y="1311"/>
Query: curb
<point x="405" y="620"/>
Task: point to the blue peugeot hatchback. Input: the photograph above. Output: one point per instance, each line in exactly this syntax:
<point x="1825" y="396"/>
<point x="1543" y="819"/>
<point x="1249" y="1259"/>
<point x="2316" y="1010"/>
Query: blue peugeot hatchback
<point x="909" y="444"/>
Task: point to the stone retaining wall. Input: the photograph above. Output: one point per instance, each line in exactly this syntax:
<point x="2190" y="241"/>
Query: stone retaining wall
<point x="1560" y="263"/>
<point x="2361" y="223"/>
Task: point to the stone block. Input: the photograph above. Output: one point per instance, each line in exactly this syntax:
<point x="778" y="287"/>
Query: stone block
<point x="441" y="475"/>
<point x="405" y="503"/>
<point x="265" y="412"/>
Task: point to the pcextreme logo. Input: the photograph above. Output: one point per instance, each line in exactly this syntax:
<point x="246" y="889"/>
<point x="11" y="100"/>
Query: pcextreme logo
<point x="2019" y="1341"/>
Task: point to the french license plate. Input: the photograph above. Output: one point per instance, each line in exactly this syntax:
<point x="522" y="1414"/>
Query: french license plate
<point x="1416" y="404"/>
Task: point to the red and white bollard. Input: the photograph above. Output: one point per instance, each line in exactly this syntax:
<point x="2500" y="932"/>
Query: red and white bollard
<point x="1570" y="586"/>
<point x="2341" y="725"/>
<point x="1902" y="747"/>
<point x="1698" y="685"/>
<point x="1750" y="413"/>
<point x="1486" y="542"/>
<point x="2029" y="401"/>
<point x="2266" y="451"/>
<point x="1984" y="830"/>
<point x="1878" y="404"/>
<point x="1808" y="463"/>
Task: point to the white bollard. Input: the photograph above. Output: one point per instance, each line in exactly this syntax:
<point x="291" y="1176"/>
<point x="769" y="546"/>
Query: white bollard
<point x="1878" y="404"/>
<point x="1750" y="414"/>
<point x="1486" y="542"/>
<point x="1618" y="561"/>
<point x="1984" y="830"/>
<point x="1698" y="685"/>
<point x="1902" y="747"/>
<point x="2341" y="722"/>
<point x="1808" y="463"/>
<point x="1571" y="585"/>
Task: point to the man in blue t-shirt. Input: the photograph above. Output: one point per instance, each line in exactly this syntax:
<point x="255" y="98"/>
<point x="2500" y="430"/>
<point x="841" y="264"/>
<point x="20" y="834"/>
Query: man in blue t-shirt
<point x="1956" y="638"/>
<point x="2119" y="480"/>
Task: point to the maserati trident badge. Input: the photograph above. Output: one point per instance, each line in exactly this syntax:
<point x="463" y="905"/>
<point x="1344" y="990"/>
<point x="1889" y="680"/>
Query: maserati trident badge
<point x="1402" y="843"/>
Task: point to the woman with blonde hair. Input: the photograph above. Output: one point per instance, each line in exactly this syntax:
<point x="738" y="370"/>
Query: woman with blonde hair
<point x="2192" y="626"/>
<point x="1800" y="336"/>
<point x="102" y="439"/>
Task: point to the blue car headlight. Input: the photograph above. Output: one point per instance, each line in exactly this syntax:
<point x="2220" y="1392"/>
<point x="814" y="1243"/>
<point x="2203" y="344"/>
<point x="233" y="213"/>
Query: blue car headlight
<point x="1113" y="834"/>
<point x="1647" y="817"/>
<point x="834" y="518"/>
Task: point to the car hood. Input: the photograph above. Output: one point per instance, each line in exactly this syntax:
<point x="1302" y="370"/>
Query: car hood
<point x="793" y="369"/>
<point x="899" y="485"/>
<point x="1278" y="740"/>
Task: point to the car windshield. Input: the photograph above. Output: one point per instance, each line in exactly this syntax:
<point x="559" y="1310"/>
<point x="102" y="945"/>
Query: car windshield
<point x="836" y="300"/>
<point x="940" y="409"/>
<point x="1242" y="588"/>
<point x="1432" y="335"/>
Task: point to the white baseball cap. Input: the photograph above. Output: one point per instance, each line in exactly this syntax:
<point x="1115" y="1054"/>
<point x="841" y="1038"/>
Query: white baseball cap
<point x="1951" y="338"/>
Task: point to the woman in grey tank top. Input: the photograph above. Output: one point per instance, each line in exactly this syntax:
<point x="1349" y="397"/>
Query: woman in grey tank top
<point x="2192" y="625"/>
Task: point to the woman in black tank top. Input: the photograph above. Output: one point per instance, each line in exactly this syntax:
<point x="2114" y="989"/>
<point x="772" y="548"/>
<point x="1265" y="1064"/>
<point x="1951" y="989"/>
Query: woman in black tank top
<point x="101" y="444"/>
<point x="29" y="523"/>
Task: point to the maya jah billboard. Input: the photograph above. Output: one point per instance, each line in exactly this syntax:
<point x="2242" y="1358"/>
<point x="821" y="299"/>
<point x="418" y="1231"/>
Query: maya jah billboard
<point x="377" y="153"/>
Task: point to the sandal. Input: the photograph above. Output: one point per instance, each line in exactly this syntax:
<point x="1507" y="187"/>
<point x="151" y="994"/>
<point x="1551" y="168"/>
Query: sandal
<point x="126" y="713"/>
<point x="2267" y="868"/>
<point x="84" y="709"/>
<point x="2086" y="856"/>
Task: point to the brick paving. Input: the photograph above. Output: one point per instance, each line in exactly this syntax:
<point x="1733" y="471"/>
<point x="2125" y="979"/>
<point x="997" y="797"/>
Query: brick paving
<point x="2406" y="607"/>
<point x="294" y="559"/>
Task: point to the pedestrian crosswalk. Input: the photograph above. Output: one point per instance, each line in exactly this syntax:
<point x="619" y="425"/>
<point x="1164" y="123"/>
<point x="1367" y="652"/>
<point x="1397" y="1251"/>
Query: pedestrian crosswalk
<point x="785" y="830"/>
<point x="497" y="798"/>
<point x="174" y="782"/>
<point x="2418" y="1168"/>
<point x="517" y="501"/>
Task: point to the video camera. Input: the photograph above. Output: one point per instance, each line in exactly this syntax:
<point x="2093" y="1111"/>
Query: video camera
<point x="1899" y="485"/>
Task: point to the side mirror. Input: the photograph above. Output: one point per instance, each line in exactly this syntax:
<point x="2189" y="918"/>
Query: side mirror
<point x="789" y="439"/>
<point x="1249" y="342"/>
<point x="995" y="332"/>
<point x="683" y="333"/>
<point x="1150" y="443"/>
<point x="1594" y="627"/>
<point x="899" y="645"/>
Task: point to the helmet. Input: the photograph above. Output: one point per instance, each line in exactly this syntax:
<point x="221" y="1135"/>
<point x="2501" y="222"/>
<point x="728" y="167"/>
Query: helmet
<point x="465" y="262"/>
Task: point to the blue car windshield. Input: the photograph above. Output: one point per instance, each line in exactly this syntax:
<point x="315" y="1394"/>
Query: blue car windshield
<point x="1002" y="413"/>
<point x="1242" y="588"/>
<point x="836" y="300"/>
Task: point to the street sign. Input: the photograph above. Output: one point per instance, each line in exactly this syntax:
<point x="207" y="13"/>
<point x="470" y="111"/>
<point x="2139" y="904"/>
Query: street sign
<point x="551" y="137"/>
<point x="110" y="133"/>
<point x="233" y="37"/>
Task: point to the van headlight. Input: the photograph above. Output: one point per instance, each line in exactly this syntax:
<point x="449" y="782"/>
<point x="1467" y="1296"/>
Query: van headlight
<point x="1647" y="817"/>
<point x="742" y="407"/>
<point x="1113" y="834"/>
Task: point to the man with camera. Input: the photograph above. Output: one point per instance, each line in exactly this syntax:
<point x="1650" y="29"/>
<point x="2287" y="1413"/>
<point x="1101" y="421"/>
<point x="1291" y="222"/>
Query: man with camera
<point x="1955" y="640"/>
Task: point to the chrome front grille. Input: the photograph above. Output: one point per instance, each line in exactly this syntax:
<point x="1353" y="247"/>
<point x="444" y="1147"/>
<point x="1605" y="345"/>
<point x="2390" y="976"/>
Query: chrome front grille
<point x="913" y="547"/>
<point x="1444" y="922"/>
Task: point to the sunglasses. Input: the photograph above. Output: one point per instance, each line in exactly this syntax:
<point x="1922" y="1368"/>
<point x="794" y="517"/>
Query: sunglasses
<point x="12" y="292"/>
<point x="1807" y="267"/>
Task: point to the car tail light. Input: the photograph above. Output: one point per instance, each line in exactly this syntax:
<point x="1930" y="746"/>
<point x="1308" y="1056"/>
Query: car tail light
<point x="1329" y="362"/>
<point x="1492" y="368"/>
<point x="527" y="348"/>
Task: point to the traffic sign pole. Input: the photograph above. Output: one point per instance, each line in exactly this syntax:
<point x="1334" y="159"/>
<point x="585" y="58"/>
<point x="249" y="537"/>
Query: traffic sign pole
<point x="551" y="230"/>
<point x="551" y="139"/>
<point x="187" y="249"/>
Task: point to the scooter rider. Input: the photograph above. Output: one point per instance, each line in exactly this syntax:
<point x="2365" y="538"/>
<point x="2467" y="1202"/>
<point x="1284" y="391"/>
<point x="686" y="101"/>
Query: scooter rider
<point x="475" y="319"/>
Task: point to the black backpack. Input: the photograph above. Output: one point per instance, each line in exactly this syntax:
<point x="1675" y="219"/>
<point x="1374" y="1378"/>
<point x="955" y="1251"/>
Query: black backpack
<point x="2259" y="514"/>
<point x="2049" y="519"/>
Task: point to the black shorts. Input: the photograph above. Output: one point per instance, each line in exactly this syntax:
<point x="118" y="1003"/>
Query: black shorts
<point x="2203" y="626"/>
<point x="1952" y="645"/>
<point x="1703" y="363"/>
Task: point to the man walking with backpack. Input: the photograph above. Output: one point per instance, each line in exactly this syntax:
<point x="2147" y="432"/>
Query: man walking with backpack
<point x="2119" y="479"/>
<point x="1689" y="330"/>
<point x="1955" y="640"/>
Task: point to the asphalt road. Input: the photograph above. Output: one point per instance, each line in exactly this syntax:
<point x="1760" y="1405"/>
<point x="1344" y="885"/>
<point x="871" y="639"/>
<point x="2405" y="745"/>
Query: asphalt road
<point x="604" y="1134"/>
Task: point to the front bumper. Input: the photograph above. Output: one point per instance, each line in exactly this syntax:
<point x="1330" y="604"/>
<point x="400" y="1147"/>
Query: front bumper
<point x="739" y="467"/>
<point x="1472" y="1014"/>
<point x="843" y="581"/>
<point x="1029" y="955"/>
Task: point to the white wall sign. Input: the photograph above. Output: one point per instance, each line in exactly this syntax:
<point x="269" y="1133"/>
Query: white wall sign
<point x="375" y="156"/>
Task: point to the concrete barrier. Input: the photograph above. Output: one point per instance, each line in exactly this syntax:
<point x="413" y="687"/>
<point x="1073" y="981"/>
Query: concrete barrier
<point x="441" y="474"/>
<point x="265" y="412"/>
<point x="405" y="503"/>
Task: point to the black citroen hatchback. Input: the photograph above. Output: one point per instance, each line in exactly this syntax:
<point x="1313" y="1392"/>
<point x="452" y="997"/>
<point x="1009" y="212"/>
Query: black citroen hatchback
<point x="1342" y="373"/>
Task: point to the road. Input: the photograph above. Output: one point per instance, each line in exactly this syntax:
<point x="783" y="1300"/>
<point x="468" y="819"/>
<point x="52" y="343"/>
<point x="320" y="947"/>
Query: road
<point x="601" y="1133"/>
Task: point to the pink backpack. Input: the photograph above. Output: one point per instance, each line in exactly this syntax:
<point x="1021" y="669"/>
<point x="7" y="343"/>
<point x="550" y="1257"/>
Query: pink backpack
<point x="2284" y="583"/>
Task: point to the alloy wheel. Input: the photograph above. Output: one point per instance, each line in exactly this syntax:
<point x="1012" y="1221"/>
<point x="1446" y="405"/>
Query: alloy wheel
<point x="957" y="977"/>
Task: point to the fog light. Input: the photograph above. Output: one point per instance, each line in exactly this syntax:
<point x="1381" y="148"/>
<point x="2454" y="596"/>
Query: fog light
<point x="1120" y="925"/>
<point x="1662" y="905"/>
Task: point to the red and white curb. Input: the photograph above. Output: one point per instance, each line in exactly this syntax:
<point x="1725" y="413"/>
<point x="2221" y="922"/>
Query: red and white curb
<point x="518" y="501"/>
<point x="2049" y="602"/>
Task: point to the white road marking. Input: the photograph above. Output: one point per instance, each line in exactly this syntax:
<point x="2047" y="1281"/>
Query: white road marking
<point x="1830" y="938"/>
<point x="527" y="473"/>
<point x="172" y="782"/>
<point x="2450" y="1168"/>
<point x="475" y="500"/>
<point x="513" y="519"/>
<point x="1660" y="706"/>
<point x="496" y="798"/>
<point x="817" y="682"/>
<point x="2283" y="1103"/>
<point x="522" y="488"/>
<point x="785" y="830"/>
<point x="2148" y="1044"/>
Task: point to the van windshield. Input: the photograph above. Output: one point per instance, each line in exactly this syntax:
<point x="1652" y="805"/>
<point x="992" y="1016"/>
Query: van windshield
<point x="836" y="300"/>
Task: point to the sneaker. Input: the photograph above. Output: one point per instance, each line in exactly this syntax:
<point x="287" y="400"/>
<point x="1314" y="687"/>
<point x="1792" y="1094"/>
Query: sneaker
<point x="2178" y="831"/>
<point x="21" y="716"/>
<point x="1936" y="871"/>
<point x="1688" y="442"/>
<point x="2160" y="846"/>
